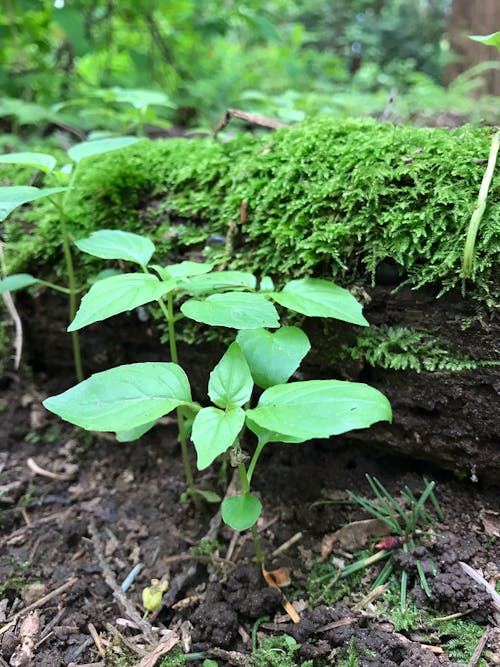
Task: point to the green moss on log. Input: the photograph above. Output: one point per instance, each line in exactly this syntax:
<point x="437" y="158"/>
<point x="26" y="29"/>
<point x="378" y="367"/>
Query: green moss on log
<point x="324" y="197"/>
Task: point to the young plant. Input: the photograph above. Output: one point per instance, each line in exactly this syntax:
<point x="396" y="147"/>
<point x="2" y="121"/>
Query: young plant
<point x="11" y="197"/>
<point x="129" y="399"/>
<point x="404" y="523"/>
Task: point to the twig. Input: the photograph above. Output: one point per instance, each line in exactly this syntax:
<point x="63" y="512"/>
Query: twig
<point x="109" y="578"/>
<point x="18" y="328"/>
<point x="116" y="633"/>
<point x="474" y="574"/>
<point x="286" y="545"/>
<point x="97" y="640"/>
<point x="252" y="118"/>
<point x="479" y="649"/>
<point x="39" y="603"/>
<point x="34" y="467"/>
<point x="232" y="657"/>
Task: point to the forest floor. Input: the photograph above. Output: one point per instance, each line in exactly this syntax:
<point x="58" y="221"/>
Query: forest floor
<point x="79" y="512"/>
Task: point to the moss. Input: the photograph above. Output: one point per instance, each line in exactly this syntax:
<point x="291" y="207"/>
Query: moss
<point x="324" y="198"/>
<point x="401" y="348"/>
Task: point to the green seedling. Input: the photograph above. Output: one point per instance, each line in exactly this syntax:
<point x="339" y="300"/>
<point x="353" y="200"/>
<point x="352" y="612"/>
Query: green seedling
<point x="130" y="399"/>
<point x="477" y="215"/>
<point x="404" y="524"/>
<point x="11" y="197"/>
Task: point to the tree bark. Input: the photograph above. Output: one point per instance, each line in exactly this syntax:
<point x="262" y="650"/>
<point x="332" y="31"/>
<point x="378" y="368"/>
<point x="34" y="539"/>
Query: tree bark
<point x="474" y="17"/>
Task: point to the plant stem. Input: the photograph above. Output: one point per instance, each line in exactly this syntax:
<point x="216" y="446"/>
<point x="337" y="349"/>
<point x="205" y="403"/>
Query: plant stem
<point x="255" y="458"/>
<point x="168" y="312"/>
<point x="72" y="291"/>
<point x="245" y="487"/>
<point x="477" y="215"/>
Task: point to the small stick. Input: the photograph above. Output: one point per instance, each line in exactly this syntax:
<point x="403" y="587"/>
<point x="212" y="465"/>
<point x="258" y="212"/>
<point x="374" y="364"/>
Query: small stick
<point x="336" y="624"/>
<point x="253" y="118"/>
<point x="39" y="603"/>
<point x="450" y="617"/>
<point x="135" y="649"/>
<point x="109" y="578"/>
<point x="34" y="467"/>
<point x="97" y="640"/>
<point x="372" y="595"/>
<point x="18" y="328"/>
<point x="479" y="649"/>
<point x="286" y="545"/>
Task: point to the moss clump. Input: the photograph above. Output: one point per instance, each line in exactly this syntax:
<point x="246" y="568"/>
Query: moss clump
<point x="401" y="348"/>
<point x="324" y="197"/>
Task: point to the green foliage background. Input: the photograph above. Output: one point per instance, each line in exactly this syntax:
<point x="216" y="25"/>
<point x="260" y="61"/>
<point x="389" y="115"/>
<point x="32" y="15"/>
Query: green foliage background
<point x="82" y="61"/>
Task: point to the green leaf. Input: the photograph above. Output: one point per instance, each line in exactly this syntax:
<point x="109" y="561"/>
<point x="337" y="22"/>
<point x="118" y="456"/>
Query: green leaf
<point x="489" y="40"/>
<point x="208" y="496"/>
<point x="214" y="431"/>
<point x="220" y="281"/>
<point x="13" y="196"/>
<point x="264" y="435"/>
<point x="237" y="310"/>
<point x="182" y="270"/>
<point x="241" y="512"/>
<point x="319" y="408"/>
<point x="134" y="433"/>
<point x="98" y="146"/>
<point x="115" y="244"/>
<point x="273" y="357"/>
<point x="118" y="294"/>
<point x="16" y="281"/>
<point x="230" y="382"/>
<point x="123" y="398"/>
<point x="266" y="284"/>
<point x="41" y="161"/>
<point x="315" y="297"/>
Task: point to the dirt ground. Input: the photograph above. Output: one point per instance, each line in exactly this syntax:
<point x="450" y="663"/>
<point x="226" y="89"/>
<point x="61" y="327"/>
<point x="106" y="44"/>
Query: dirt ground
<point x="78" y="513"/>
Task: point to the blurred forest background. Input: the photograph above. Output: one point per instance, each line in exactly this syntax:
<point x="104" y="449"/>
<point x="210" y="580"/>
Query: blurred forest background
<point x="123" y="65"/>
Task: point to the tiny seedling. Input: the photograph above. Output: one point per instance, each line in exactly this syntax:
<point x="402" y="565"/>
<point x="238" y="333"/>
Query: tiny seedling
<point x="130" y="399"/>
<point x="404" y="523"/>
<point x="11" y="197"/>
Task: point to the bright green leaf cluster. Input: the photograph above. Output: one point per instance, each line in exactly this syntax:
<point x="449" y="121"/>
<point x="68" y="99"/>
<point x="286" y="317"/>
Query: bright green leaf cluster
<point x="129" y="399"/>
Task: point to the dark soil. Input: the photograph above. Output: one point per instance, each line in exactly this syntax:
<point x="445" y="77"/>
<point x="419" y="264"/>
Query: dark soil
<point x="113" y="506"/>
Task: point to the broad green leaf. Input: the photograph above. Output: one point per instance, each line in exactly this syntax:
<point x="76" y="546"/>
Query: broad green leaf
<point x="220" y="281"/>
<point x="13" y="196"/>
<point x="16" y="281"/>
<point x="315" y="297"/>
<point x="489" y="40"/>
<point x="319" y="408"/>
<point x="39" y="160"/>
<point x="273" y="357"/>
<point x="140" y="99"/>
<point x="230" y="382"/>
<point x="241" y="512"/>
<point x="238" y="310"/>
<point x="266" y="284"/>
<point x="118" y="294"/>
<point x="214" y="431"/>
<point x="208" y="496"/>
<point x="123" y="398"/>
<point x="98" y="146"/>
<point x="115" y="244"/>
<point x="264" y="435"/>
<point x="182" y="270"/>
<point x="134" y="433"/>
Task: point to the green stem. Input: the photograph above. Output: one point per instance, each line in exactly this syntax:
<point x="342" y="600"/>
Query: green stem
<point x="255" y="458"/>
<point x="168" y="312"/>
<point x="72" y="290"/>
<point x="53" y="286"/>
<point x="479" y="209"/>
<point x="245" y="487"/>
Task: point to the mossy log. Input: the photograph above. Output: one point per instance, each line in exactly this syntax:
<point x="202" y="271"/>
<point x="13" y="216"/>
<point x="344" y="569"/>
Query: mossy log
<point x="379" y="208"/>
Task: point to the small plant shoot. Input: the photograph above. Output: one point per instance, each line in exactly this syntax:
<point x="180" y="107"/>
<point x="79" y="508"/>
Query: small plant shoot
<point x="11" y="197"/>
<point x="129" y="399"/>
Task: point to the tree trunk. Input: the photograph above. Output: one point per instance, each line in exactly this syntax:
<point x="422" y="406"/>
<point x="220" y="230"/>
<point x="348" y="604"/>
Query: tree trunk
<point x="474" y="17"/>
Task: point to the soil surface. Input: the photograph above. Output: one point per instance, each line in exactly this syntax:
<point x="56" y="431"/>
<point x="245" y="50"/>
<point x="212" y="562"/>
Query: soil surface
<point x="79" y="513"/>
